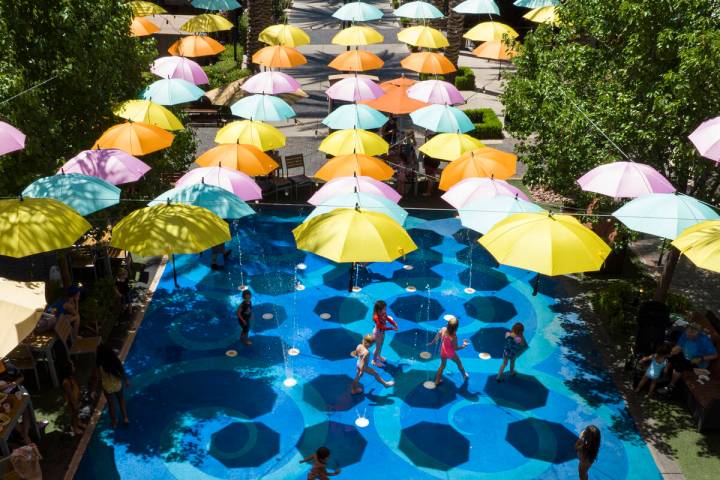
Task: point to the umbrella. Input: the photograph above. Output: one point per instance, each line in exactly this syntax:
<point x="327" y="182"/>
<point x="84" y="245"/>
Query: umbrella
<point x="343" y="185"/>
<point x="442" y="118"/>
<point x="545" y="243"/>
<point x="278" y="56"/>
<point x="11" y="139"/>
<point x="347" y="142"/>
<point x="354" y="235"/>
<point x="489" y="31"/>
<point x="222" y="203"/>
<point x="428" y="62"/>
<point x="231" y="180"/>
<point x="142" y="27"/>
<point x="418" y="10"/>
<point x="436" y="91"/>
<point x="356" y="61"/>
<point x="355" y="88"/>
<point x="216" y="5"/>
<point x="271" y="82"/>
<point x="136" y="138"/>
<point x="113" y="165"/>
<point x="262" y="107"/>
<point x="402" y="81"/>
<point x="355" y="116"/>
<point x="207" y="22"/>
<point x="179" y="67"/>
<point x="706" y="139"/>
<point x="283" y="34"/>
<point x="21" y="305"/>
<point x="83" y="193"/>
<point x="478" y="188"/>
<point x="246" y="158"/>
<point x="449" y="146"/>
<point x="664" y="215"/>
<point x="701" y="244"/>
<point x="483" y="162"/>
<point x="535" y="3"/>
<point x="263" y="136"/>
<point x="148" y="112"/>
<point x="172" y="91"/>
<point x="624" y="179"/>
<point x="195" y="46"/>
<point x="546" y="14"/>
<point x="37" y="225"/>
<point x="396" y="102"/>
<point x="143" y="9"/>
<point x="233" y="91"/>
<point x="355" y="164"/>
<point x="357" y="35"/>
<point x="422" y="36"/>
<point x="494" y="50"/>
<point x="477" y="7"/>
<point x="483" y="214"/>
<point x="357" y="12"/>
<point x="366" y="201"/>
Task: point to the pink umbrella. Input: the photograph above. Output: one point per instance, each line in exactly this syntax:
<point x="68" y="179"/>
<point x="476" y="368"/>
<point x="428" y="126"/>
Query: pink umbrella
<point x="436" y="91"/>
<point x="353" y="89"/>
<point x="112" y="165"/>
<point x="345" y="185"/>
<point x="11" y="139"/>
<point x="271" y="83"/>
<point x="625" y="180"/>
<point x="706" y="139"/>
<point x="179" y="67"/>
<point x="476" y="188"/>
<point x="231" y="180"/>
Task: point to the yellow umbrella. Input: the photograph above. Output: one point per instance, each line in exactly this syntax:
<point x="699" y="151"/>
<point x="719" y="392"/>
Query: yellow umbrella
<point x="356" y="164"/>
<point x="207" y="22"/>
<point x="246" y="158"/>
<point x="143" y="9"/>
<point x="251" y="132"/>
<point x="354" y="235"/>
<point x="148" y="112"/>
<point x="490" y="31"/>
<point x="482" y="162"/>
<point x="142" y="27"/>
<point x="36" y="225"/>
<point x="136" y="138"/>
<point x="21" y="304"/>
<point x="701" y="244"/>
<point x="357" y="35"/>
<point x="283" y="34"/>
<point x="422" y="36"/>
<point x="348" y="142"/>
<point x="546" y="14"/>
<point x="449" y="146"/>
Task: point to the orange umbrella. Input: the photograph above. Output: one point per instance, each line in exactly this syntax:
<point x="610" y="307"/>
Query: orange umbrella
<point x="246" y="158"/>
<point x="355" y="164"/>
<point x="428" y="62"/>
<point x="481" y="162"/>
<point x="397" y="82"/>
<point x="279" y="56"/>
<point x="136" y="138"/>
<point x="356" y="61"/>
<point x="142" y="27"/>
<point x="396" y="102"/>
<point x="495" y="50"/>
<point x="195" y="46"/>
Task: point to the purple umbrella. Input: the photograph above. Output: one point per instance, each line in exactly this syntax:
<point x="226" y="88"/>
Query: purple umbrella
<point x="345" y="185"/>
<point x="706" y="139"/>
<point x="110" y="164"/>
<point x="11" y="139"/>
<point x="179" y="67"/>
<point x="231" y="180"/>
<point x="271" y="83"/>
<point x="355" y="88"/>
<point x="625" y="180"/>
<point x="436" y="91"/>
<point x="478" y="188"/>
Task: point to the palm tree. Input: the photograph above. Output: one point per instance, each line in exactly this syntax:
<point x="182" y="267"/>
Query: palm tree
<point x="455" y="26"/>
<point x="260" y="16"/>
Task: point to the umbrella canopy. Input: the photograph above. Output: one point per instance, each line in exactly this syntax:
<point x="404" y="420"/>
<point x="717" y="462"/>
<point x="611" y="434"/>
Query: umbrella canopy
<point x="172" y="91"/>
<point x="343" y="185"/>
<point x="436" y="91"/>
<point x="494" y="50"/>
<point x="402" y="81"/>
<point x="263" y="136"/>
<point x="142" y="27"/>
<point x="347" y="142"/>
<point x="477" y="7"/>
<point x="489" y="31"/>
<point x="284" y="34"/>
<point x="113" y="165"/>
<point x="706" y="139"/>
<point x="195" y="46"/>
<point x="21" y="305"/>
<point x="545" y="243"/>
<point x="233" y="91"/>
<point x="169" y="229"/>
<point x="246" y="158"/>
<point x="483" y="162"/>
<point x="442" y="118"/>
<point x="546" y="14"/>
<point x="664" y="215"/>
<point x="535" y="3"/>
<point x="477" y="188"/>
<point x="179" y="67"/>
<point x="36" y="225"/>
<point x="265" y="108"/>
<point x="354" y="235"/>
<point x="143" y="9"/>
<point x="396" y="102"/>
<point x="428" y="62"/>
<point x="136" y="138"/>
<point x="423" y="36"/>
<point x="222" y="203"/>
<point x="355" y="116"/>
<point x="418" y="10"/>
<point x="449" y="146"/>
<point x="83" y="193"/>
<point x="365" y="201"/>
<point x="357" y="35"/>
<point x="701" y="244"/>
<point x="356" y="61"/>
<point x="148" y="112"/>
<point x="11" y="139"/>
<point x="271" y="83"/>
<point x="216" y="5"/>
<point x="625" y="180"/>
<point x="355" y="88"/>
<point x="355" y="165"/>
<point x="231" y="180"/>
<point x="482" y="215"/>
<point x="357" y="12"/>
<point x="279" y="56"/>
<point x="207" y="22"/>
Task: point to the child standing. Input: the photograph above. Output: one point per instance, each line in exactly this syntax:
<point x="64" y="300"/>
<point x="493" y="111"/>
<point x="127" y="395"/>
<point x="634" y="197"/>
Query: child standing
<point x="362" y="353"/>
<point x="656" y="369"/>
<point x="244" y="315"/>
<point x="381" y="319"/>
<point x="514" y="340"/>
<point x="319" y="469"/>
<point x="448" y="348"/>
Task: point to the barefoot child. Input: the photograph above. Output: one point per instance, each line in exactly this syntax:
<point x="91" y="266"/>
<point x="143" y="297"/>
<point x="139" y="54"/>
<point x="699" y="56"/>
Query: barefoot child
<point x="319" y="469"/>
<point x="448" y="348"/>
<point x="362" y="353"/>
<point x="656" y="369"/>
<point x="244" y="315"/>
<point x="587" y="447"/>
<point x="381" y="319"/>
<point x="514" y="340"/>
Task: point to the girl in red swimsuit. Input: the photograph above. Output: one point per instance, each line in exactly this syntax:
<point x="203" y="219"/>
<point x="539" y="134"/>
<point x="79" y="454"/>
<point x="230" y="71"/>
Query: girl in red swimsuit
<point x="381" y="319"/>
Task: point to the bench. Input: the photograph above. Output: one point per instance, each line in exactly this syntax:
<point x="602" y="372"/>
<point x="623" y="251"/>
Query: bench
<point x="204" y="116"/>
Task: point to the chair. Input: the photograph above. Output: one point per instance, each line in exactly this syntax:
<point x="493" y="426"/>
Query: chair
<point x="276" y="181"/>
<point x="297" y="162"/>
<point x="78" y="345"/>
<point x="23" y="360"/>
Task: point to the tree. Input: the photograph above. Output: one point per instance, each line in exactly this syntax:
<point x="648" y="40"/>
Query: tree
<point x="455" y="25"/>
<point x="260" y="16"/>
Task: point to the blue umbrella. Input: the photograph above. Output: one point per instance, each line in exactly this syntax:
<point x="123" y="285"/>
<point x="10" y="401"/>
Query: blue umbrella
<point x="477" y="7"/>
<point x="83" y="193"/>
<point x="264" y="108"/>
<point x="442" y="118"/>
<point x="536" y="3"/>
<point x="221" y="202"/>
<point x="355" y="115"/>
<point x="216" y="5"/>
<point x="481" y="215"/>
<point x="358" y="12"/>
<point x="418" y="10"/>
<point x="171" y="91"/>
<point x="366" y="201"/>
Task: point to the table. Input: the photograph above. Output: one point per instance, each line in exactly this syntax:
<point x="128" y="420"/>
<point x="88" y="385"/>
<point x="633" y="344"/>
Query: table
<point x="42" y="343"/>
<point x="19" y="406"/>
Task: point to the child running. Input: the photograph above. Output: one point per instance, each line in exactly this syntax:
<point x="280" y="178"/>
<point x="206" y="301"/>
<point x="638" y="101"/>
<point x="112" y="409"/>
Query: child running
<point x="319" y="460"/>
<point x="244" y="316"/>
<point x="448" y="348"/>
<point x="362" y="353"/>
<point x="514" y="340"/>
<point x="381" y="319"/>
<point x="656" y="369"/>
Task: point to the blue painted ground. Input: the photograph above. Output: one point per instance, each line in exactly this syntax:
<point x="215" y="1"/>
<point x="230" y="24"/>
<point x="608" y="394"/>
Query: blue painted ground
<point x="199" y="414"/>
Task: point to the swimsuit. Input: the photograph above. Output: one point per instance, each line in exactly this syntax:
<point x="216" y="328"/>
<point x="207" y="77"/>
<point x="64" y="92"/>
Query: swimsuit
<point x="511" y="346"/>
<point x="655" y="369"/>
<point x="381" y="324"/>
<point x="361" y="352"/>
<point x="447" y="347"/>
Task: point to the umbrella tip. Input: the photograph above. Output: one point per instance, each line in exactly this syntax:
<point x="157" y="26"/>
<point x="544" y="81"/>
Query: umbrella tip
<point x="20" y="197"/>
<point x="357" y="206"/>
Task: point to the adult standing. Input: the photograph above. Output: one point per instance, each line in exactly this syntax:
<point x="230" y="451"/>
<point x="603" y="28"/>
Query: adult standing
<point x="110" y="371"/>
<point x="587" y="447"/>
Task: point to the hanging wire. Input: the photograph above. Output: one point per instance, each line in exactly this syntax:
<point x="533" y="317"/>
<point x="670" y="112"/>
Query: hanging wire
<point x="29" y="89"/>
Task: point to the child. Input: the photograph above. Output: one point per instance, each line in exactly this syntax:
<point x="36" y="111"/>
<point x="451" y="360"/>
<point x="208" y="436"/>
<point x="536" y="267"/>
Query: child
<point x="361" y="353"/>
<point x="587" y="446"/>
<point x="112" y="377"/>
<point x="656" y="369"/>
<point x="448" y="348"/>
<point x="122" y="287"/>
<point x="71" y="392"/>
<point x="319" y="468"/>
<point x="514" y="340"/>
<point x="244" y="315"/>
<point x="381" y="319"/>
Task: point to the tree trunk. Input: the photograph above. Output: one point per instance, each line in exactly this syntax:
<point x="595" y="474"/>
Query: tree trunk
<point x="670" y="263"/>
<point x="455" y="26"/>
<point x="259" y="17"/>
<point x="438" y="23"/>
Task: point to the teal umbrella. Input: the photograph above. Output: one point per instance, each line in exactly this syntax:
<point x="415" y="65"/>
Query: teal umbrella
<point x="221" y="202"/>
<point x="418" y="10"/>
<point x="172" y="91"/>
<point x="664" y="215"/>
<point x="536" y="3"/>
<point x="365" y="201"/>
<point x="442" y="119"/>
<point x="358" y="12"/>
<point x="265" y="108"/>
<point x="216" y="5"/>
<point x="82" y="193"/>
<point x="481" y="215"/>
<point x="357" y="116"/>
<point x="478" y="7"/>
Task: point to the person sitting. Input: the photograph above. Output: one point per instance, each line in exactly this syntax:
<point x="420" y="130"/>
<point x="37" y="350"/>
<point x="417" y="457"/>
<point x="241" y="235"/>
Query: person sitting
<point x="694" y="349"/>
<point x="11" y="380"/>
<point x="71" y="309"/>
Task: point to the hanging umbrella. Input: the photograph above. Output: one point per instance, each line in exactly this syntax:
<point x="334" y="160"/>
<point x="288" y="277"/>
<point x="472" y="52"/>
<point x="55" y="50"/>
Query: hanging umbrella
<point x="418" y="10"/>
<point x="246" y="158"/>
<point x="11" y="139"/>
<point x="136" y="138"/>
<point x="357" y="35"/>
<point x="278" y="56"/>
<point x="356" y="61"/>
<point x="483" y="214"/>
<point x="423" y="36"/>
<point x="343" y="185"/>
<point x="546" y="14"/>
<point x="489" y="31"/>
<point x="353" y="89"/>
<point x="357" y="12"/>
<point x="701" y="244"/>
<point x="355" y="116"/>
<point x="367" y="202"/>
<point x="172" y="91"/>
<point x="113" y="165"/>
<point x="231" y="180"/>
<point x="222" y="203"/>
<point x="706" y="139"/>
<point x="216" y="5"/>
<point x="271" y="83"/>
<point x="449" y="146"/>
<point x="347" y="142"/>
<point x="144" y="9"/>
<point x="142" y="27"/>
<point x="436" y="91"/>
<point x="207" y="22"/>
<point x="495" y="50"/>
<point x="442" y="118"/>
<point x="148" y="112"/>
<point x="83" y="193"/>
<point x="265" y="108"/>
<point x="401" y="81"/>
<point x="195" y="46"/>
<point x="179" y="67"/>
<point x="21" y="305"/>
<point x="263" y="136"/>
<point x="283" y="34"/>
<point x="535" y="3"/>
<point x="37" y="225"/>
<point x="483" y="162"/>
<point x="355" y="165"/>
<point x="477" y="7"/>
<point x="477" y="188"/>
<point x="396" y="102"/>
<point x="624" y="179"/>
<point x="232" y="92"/>
<point x="428" y="62"/>
<point x="354" y="235"/>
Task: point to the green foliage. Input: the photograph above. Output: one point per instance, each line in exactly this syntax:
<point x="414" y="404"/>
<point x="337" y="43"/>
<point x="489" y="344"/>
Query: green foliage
<point x="226" y="69"/>
<point x="465" y="79"/>
<point x="487" y="125"/>
<point x="279" y="7"/>
<point x="100" y="306"/>
<point x="616" y="304"/>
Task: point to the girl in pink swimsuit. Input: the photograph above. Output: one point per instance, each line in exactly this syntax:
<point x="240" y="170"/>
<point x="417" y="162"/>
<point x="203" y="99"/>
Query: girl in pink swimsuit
<point x="448" y="348"/>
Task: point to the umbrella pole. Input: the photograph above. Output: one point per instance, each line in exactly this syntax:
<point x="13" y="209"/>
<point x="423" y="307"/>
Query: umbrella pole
<point x="536" y="285"/>
<point x="352" y="279"/>
<point x="174" y="271"/>
<point x="662" y="252"/>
